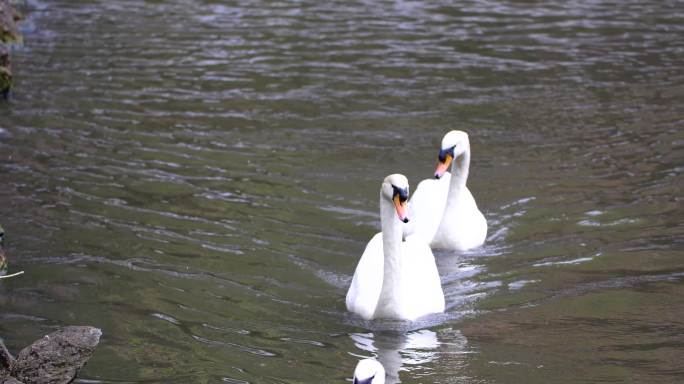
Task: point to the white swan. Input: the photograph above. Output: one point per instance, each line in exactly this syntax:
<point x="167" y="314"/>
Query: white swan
<point x="369" y="371"/>
<point x="444" y="210"/>
<point x="395" y="279"/>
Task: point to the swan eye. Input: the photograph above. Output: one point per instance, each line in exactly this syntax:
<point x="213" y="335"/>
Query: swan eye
<point x="444" y="152"/>
<point x="401" y="192"/>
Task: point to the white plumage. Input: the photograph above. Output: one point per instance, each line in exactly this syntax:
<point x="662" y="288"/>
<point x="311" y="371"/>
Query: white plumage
<point x="369" y="371"/>
<point x="444" y="211"/>
<point x="395" y="279"/>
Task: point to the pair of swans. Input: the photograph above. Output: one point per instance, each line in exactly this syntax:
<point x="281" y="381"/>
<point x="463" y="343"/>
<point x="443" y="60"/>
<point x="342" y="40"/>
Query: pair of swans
<point x="398" y="279"/>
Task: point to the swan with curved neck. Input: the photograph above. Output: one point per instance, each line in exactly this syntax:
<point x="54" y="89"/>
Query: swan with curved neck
<point x="369" y="371"/>
<point x="446" y="212"/>
<point x="395" y="279"/>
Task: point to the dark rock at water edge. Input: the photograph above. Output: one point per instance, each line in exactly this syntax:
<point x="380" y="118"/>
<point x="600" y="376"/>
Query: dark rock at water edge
<point x="9" y="33"/>
<point x="54" y="359"/>
<point x="4" y="55"/>
<point x="3" y="257"/>
<point x="3" y="261"/>
<point x="5" y="70"/>
<point x="6" y="360"/>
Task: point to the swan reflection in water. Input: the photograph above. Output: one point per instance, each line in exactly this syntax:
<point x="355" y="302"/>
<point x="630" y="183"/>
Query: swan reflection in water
<point x="409" y="351"/>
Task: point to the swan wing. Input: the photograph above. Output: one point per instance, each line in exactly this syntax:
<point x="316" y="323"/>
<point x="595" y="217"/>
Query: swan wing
<point x="422" y="287"/>
<point x="364" y="292"/>
<point x="426" y="207"/>
<point x="463" y="225"/>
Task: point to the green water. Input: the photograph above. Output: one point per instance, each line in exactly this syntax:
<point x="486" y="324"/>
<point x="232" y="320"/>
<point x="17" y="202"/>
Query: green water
<point x="199" y="179"/>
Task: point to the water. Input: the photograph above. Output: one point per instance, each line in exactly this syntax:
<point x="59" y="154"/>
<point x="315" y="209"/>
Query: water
<point x="199" y="180"/>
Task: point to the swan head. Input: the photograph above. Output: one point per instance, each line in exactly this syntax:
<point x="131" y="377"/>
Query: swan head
<point x="454" y="144"/>
<point x="369" y="371"/>
<point x="396" y="189"/>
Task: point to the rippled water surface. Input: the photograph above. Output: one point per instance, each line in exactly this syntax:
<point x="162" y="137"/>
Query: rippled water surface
<point x="199" y="180"/>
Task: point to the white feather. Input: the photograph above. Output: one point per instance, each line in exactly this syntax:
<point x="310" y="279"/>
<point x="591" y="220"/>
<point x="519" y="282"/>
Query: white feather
<point x="395" y="279"/>
<point x="367" y="368"/>
<point x="444" y="211"/>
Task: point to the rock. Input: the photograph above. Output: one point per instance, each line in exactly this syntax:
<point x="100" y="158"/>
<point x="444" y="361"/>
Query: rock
<point x="3" y="258"/>
<point x="8" y="26"/>
<point x="5" y="70"/>
<point x="57" y="357"/>
<point x="3" y="262"/>
<point x="4" y="55"/>
<point x="6" y="359"/>
<point x="9" y="33"/>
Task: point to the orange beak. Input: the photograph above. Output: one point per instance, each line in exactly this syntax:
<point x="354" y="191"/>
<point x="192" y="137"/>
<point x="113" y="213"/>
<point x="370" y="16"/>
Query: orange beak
<point x="401" y="208"/>
<point x="443" y="166"/>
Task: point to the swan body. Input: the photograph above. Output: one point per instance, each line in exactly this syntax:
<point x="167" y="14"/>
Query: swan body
<point x="445" y="211"/>
<point x="462" y="226"/>
<point x="426" y="208"/>
<point x="369" y="371"/>
<point x="395" y="279"/>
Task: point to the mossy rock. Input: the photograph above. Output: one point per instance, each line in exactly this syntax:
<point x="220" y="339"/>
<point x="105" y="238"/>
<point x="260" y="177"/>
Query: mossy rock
<point x="3" y="262"/>
<point x="9" y="32"/>
<point x="57" y="357"/>
<point x="4" y="55"/>
<point x="3" y="258"/>
<point x="54" y="359"/>
<point x="5" y="80"/>
<point x="5" y="69"/>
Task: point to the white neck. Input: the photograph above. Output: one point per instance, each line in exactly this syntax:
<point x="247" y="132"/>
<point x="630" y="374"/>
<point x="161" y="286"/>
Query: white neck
<point x="391" y="248"/>
<point x="459" y="171"/>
